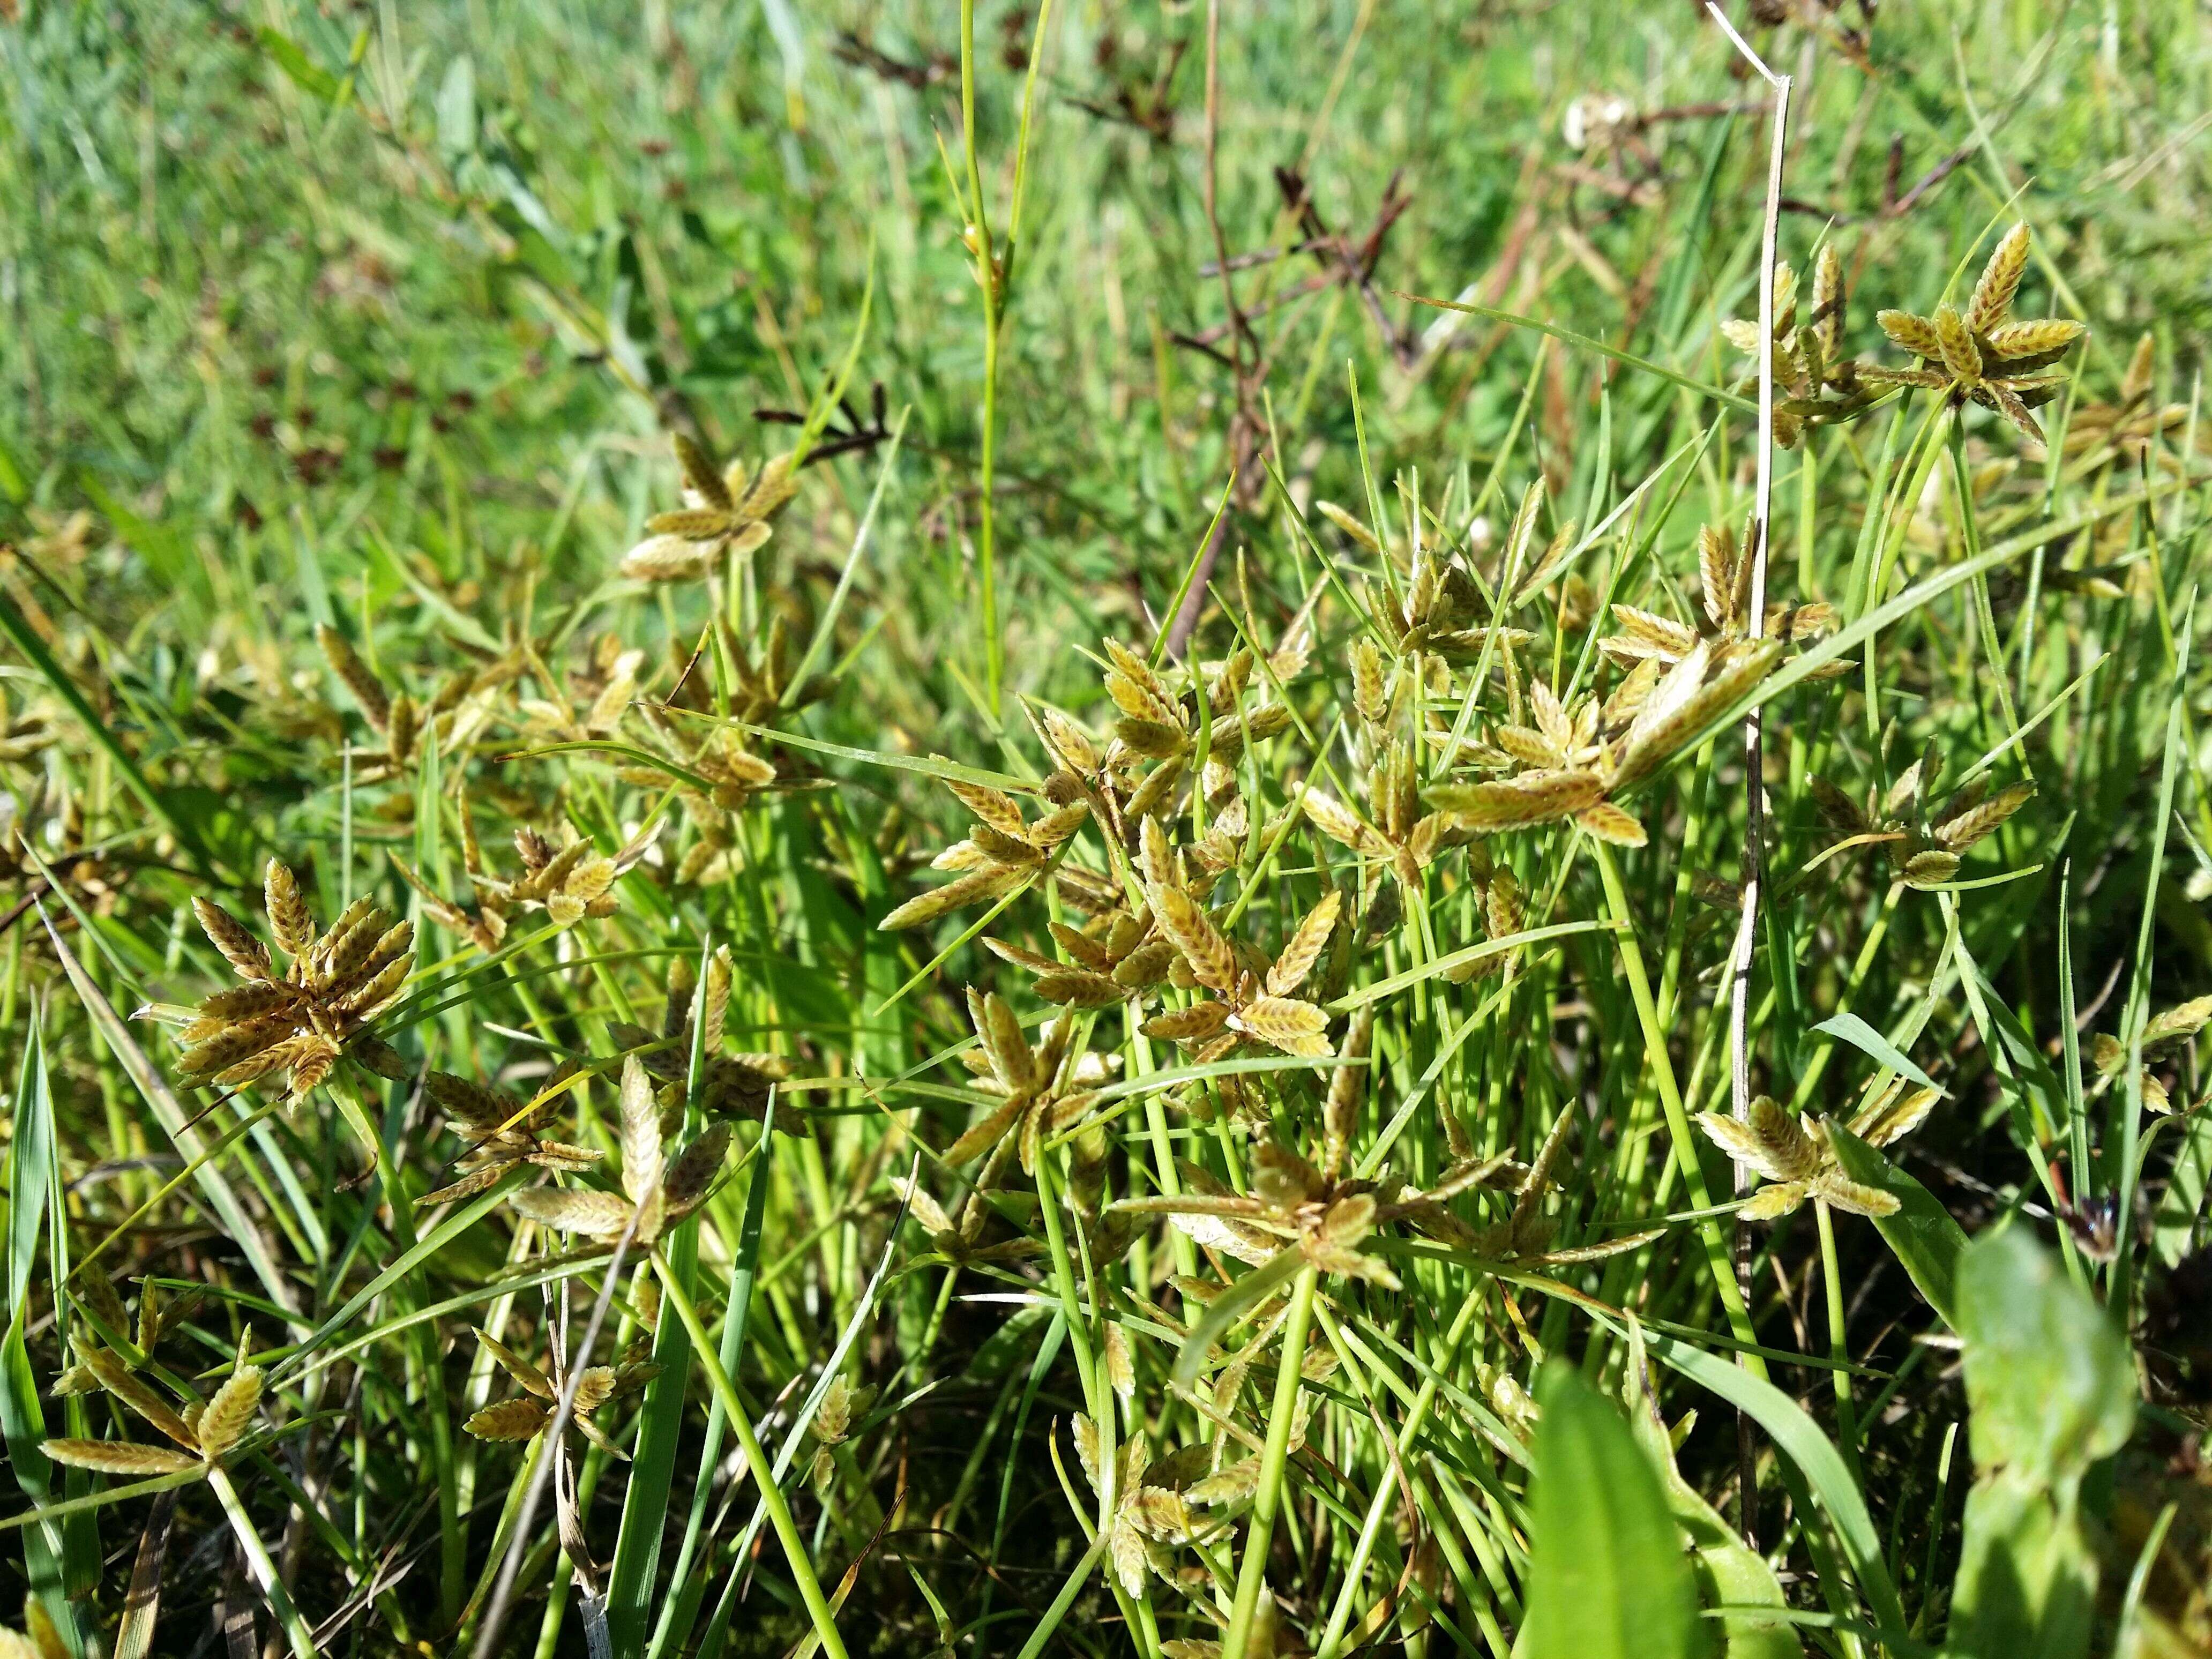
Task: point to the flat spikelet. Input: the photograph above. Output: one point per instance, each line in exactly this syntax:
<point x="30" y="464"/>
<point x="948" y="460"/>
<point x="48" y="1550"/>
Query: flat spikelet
<point x="1350" y="525"/>
<point x="1771" y="1140"/>
<point x="1610" y="823"/>
<point x="119" y="1457"/>
<point x="117" y="1379"/>
<point x="2000" y="282"/>
<point x="247" y="956"/>
<point x="1982" y="356"/>
<point x="640" y="1133"/>
<point x="2042" y="341"/>
<point x="1185" y="922"/>
<point x="1979" y="822"/>
<point x="975" y="887"/>
<point x="346" y="664"/>
<point x="1960" y="353"/>
<point x="1306" y="946"/>
<point x="1201" y="1019"/>
<point x="1532" y="798"/>
<point x="298" y="1023"/>
<point x="1340" y="824"/>
<point x="596" y="1215"/>
<point x="693" y="1172"/>
<point x="510" y="1420"/>
<point x="1931" y="869"/>
<point x="1295" y="1027"/>
<point x="727" y="513"/>
<point x="288" y="916"/>
<point x="229" y="1413"/>
<point x="1910" y="333"/>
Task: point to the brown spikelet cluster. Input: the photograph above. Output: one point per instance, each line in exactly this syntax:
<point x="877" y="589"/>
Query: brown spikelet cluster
<point x="2163" y="1034"/>
<point x="732" y="1085"/>
<point x="160" y="1317"/>
<point x="502" y="1133"/>
<point x="1797" y="1160"/>
<point x="1040" y="1090"/>
<point x="568" y="882"/>
<point x="1394" y="830"/>
<point x="727" y="512"/>
<point x="298" y="1021"/>
<point x="452" y="717"/>
<point x="203" y="1432"/>
<point x="1923" y="837"/>
<point x="1724" y="579"/>
<point x="530" y="1413"/>
<point x="1004" y="851"/>
<point x="716" y="766"/>
<point x="657" y="1190"/>
<point x="1251" y="1000"/>
<point x="1815" y="383"/>
<point x="1981" y="355"/>
<point x="1571" y="765"/>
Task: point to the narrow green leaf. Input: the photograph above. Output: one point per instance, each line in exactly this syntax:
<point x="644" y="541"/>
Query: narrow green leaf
<point x="1850" y="1028"/>
<point x="300" y="70"/>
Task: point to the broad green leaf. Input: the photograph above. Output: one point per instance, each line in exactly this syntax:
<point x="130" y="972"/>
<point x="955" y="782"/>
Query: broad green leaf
<point x="2027" y="1578"/>
<point x="1730" y="1573"/>
<point x="1607" y="1576"/>
<point x="1926" y="1240"/>
<point x="2049" y="1377"/>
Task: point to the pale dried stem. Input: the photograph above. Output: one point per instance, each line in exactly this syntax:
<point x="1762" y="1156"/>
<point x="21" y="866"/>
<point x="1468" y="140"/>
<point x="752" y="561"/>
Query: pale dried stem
<point x="1754" y="754"/>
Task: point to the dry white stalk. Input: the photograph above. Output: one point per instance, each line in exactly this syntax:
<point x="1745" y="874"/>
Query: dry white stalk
<point x="1740" y="1091"/>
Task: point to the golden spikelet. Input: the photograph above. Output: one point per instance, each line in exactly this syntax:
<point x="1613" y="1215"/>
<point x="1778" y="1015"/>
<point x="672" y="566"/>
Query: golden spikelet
<point x="2041" y="340"/>
<point x="1346" y="1090"/>
<point x="346" y="664"/>
<point x="509" y="1420"/>
<point x="1340" y="824"/>
<point x="288" y="916"/>
<point x="1608" y="823"/>
<point x="229" y="1412"/>
<point x="640" y="1131"/>
<point x="1349" y="524"/>
<point x="1910" y="333"/>
<point x="1305" y="947"/>
<point x="1285" y="1022"/>
<point x="1827" y="319"/>
<point x="1201" y="1019"/>
<point x="119" y="1457"/>
<point x="1532" y="798"/>
<point x="2000" y="282"/>
<point x="1931" y="869"/>
<point x="1979" y="821"/>
<point x="594" y="1214"/>
<point x="247" y="956"/>
<point x="114" y="1376"/>
<point x="1961" y="356"/>
<point x="714" y="1000"/>
<point x="1185" y="922"/>
<point x="693" y="1173"/>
